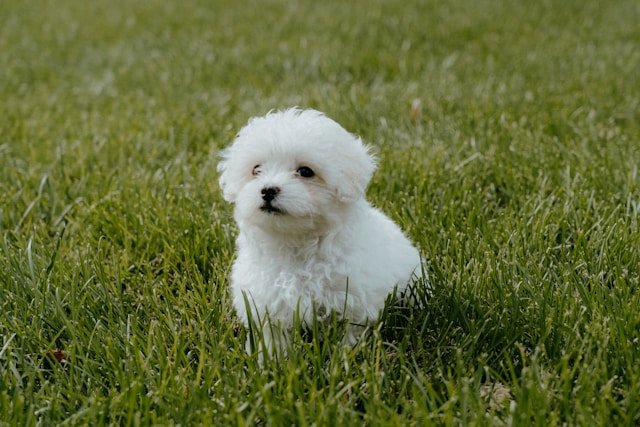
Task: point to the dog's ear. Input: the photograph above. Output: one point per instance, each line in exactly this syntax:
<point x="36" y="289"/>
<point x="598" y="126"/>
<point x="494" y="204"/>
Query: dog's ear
<point x="356" y="169"/>
<point x="227" y="182"/>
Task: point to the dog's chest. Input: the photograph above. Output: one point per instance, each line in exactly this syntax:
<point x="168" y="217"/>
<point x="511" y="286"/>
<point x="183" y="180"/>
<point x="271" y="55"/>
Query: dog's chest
<point x="282" y="281"/>
<point x="306" y="274"/>
<point x="304" y="271"/>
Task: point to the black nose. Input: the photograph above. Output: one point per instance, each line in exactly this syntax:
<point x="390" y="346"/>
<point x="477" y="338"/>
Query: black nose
<point x="269" y="193"/>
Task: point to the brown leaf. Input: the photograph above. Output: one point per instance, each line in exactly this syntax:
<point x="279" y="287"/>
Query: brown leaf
<point x="415" y="113"/>
<point x="496" y="393"/>
<point x="58" y="355"/>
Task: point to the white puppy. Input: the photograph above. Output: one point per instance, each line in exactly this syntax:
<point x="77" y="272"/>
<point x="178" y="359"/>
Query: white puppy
<point x="309" y="242"/>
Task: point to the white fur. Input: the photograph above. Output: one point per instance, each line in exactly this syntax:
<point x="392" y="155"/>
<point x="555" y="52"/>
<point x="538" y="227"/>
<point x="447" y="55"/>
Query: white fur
<point x="329" y="250"/>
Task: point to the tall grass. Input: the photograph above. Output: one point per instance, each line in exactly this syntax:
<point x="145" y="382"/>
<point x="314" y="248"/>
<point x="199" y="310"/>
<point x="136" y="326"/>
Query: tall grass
<point x="515" y="173"/>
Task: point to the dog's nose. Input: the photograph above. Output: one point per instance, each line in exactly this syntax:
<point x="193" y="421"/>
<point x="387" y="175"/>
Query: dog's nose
<point x="269" y="193"/>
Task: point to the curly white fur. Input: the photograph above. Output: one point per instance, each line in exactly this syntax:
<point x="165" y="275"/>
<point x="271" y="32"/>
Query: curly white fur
<point x="313" y="245"/>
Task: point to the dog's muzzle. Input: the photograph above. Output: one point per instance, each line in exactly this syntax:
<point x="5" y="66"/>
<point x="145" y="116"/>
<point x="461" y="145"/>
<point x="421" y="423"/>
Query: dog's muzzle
<point x="268" y="194"/>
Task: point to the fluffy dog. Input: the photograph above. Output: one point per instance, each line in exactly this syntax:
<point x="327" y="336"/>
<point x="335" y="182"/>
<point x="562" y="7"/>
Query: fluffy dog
<point x="309" y="242"/>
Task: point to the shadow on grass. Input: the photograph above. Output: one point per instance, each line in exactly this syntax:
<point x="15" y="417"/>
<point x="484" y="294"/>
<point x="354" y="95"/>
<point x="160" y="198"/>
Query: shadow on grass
<point x="441" y="326"/>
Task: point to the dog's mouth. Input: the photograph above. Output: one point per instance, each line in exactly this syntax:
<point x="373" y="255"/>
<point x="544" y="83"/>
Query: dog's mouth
<point x="270" y="209"/>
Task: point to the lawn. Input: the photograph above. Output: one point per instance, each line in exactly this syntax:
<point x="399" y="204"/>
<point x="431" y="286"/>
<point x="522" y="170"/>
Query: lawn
<point x="508" y="135"/>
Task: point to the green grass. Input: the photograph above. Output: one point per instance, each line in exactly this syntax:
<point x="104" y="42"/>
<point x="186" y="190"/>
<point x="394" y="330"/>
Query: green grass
<point x="519" y="183"/>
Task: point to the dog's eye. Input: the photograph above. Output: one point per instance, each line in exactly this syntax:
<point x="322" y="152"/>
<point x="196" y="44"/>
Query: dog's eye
<point x="305" y="172"/>
<point x="256" y="170"/>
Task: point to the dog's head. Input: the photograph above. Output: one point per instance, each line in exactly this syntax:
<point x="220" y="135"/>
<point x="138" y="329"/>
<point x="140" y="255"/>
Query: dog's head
<point x="293" y="170"/>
